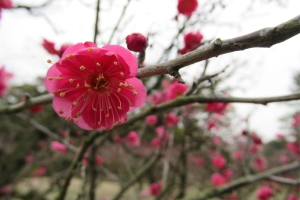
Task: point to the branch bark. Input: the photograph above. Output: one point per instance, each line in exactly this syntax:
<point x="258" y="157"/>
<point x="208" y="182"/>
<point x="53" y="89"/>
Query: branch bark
<point x="266" y="37"/>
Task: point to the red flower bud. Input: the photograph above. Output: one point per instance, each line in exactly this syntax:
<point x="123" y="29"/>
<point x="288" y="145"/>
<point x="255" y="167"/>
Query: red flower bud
<point x="136" y="42"/>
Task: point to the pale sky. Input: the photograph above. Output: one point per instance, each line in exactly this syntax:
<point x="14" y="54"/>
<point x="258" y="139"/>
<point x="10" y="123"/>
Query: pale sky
<point x="262" y="72"/>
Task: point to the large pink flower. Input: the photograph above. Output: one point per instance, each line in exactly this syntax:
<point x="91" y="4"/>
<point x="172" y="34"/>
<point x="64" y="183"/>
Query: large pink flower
<point x="4" y="76"/>
<point x="95" y="87"/>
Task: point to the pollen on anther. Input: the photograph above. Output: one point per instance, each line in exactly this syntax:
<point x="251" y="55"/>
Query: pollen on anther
<point x="71" y="80"/>
<point x="50" y="78"/>
<point x="99" y="123"/>
<point x="115" y="63"/>
<point x="79" y="113"/>
<point x="90" y="49"/>
<point x="75" y="103"/>
<point x="94" y="109"/>
<point x="98" y="64"/>
<point x="122" y="74"/>
<point x="69" y="119"/>
<point x="78" y="85"/>
<point x="82" y="68"/>
<point x="60" y="112"/>
<point x="49" y="61"/>
<point x="119" y="89"/>
<point x="87" y="85"/>
<point x="107" y="115"/>
<point x="109" y="107"/>
<point x="62" y="94"/>
<point x="58" y="78"/>
<point x="135" y="93"/>
<point x="67" y="56"/>
<point x="119" y="107"/>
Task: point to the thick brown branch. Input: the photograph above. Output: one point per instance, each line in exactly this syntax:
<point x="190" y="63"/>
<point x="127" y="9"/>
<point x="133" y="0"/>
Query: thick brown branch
<point x="266" y="37"/>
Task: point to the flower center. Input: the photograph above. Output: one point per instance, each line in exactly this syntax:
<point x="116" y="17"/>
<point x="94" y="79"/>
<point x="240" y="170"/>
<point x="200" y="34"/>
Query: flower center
<point x="98" y="83"/>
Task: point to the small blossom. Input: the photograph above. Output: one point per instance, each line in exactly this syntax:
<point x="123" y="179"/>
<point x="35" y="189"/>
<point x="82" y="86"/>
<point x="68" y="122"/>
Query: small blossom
<point x="219" y="161"/>
<point x="283" y="159"/>
<point x="254" y="148"/>
<point x="187" y="7"/>
<point x="292" y="197"/>
<point x="255" y="138"/>
<point x="259" y="163"/>
<point x="227" y="173"/>
<point x="133" y="139"/>
<point x="151" y="119"/>
<point x="172" y="120"/>
<point x="218" y="107"/>
<point x="136" y="42"/>
<point x="216" y="140"/>
<point x="95" y="87"/>
<point x="155" y="188"/>
<point x="144" y="193"/>
<point x="175" y="90"/>
<point x="264" y="193"/>
<point x="218" y="179"/>
<point x="211" y="126"/>
<point x="237" y="155"/>
<point x="85" y="161"/>
<point x="36" y="109"/>
<point x="57" y="146"/>
<point x="296" y="120"/>
<point x="5" y="190"/>
<point x="192" y="40"/>
<point x="40" y="171"/>
<point x="155" y="142"/>
<point x="4" y="77"/>
<point x="29" y="159"/>
<point x="99" y="160"/>
<point x="293" y="147"/>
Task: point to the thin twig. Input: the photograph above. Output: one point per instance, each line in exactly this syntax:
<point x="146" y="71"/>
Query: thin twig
<point x="96" y="28"/>
<point x="266" y="37"/>
<point x="118" y="23"/>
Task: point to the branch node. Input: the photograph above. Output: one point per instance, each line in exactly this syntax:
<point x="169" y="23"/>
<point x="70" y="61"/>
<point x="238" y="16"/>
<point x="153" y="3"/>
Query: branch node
<point x="176" y="74"/>
<point x="218" y="43"/>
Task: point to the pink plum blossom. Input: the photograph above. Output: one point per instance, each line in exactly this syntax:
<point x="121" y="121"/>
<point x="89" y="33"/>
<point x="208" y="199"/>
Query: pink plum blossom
<point x="237" y="155"/>
<point x="95" y="87"/>
<point x="175" y="90"/>
<point x="218" y="179"/>
<point x="36" y="109"/>
<point x="216" y="107"/>
<point x="155" y="142"/>
<point x="293" y="147"/>
<point x="136" y="42"/>
<point x="259" y="163"/>
<point x="151" y="119"/>
<point x="172" y="120"/>
<point x="133" y="139"/>
<point x="5" y="4"/>
<point x="57" y="146"/>
<point x="40" y="171"/>
<point x="264" y="193"/>
<point x="296" y="120"/>
<point x="219" y="161"/>
<point x="187" y="7"/>
<point x="192" y="40"/>
<point x="155" y="188"/>
<point x="4" y="77"/>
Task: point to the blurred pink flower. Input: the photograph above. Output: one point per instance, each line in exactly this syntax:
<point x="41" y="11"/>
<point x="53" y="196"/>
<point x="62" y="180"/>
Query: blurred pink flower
<point x="254" y="148"/>
<point x="36" y="109"/>
<point x="155" y="188"/>
<point x="144" y="193"/>
<point x="172" y="120"/>
<point x="228" y="173"/>
<point x="118" y="140"/>
<point x="40" y="171"/>
<point x="99" y="160"/>
<point x="192" y="40"/>
<point x="133" y="139"/>
<point x="211" y="126"/>
<point x="4" y="77"/>
<point x="219" y="161"/>
<point x="136" y="42"/>
<point x="283" y="159"/>
<point x="57" y="146"/>
<point x="42" y="143"/>
<point x="5" y="190"/>
<point x="216" y="140"/>
<point x="292" y="197"/>
<point x="95" y="87"/>
<point x="216" y="107"/>
<point x="155" y="142"/>
<point x="255" y="138"/>
<point x="29" y="159"/>
<point x="218" y="179"/>
<point x="237" y="155"/>
<point x="264" y="193"/>
<point x="296" y="120"/>
<point x="259" y="163"/>
<point x="151" y="119"/>
<point x="49" y="47"/>
<point x="294" y="147"/>
<point x="175" y="90"/>
<point x="187" y="7"/>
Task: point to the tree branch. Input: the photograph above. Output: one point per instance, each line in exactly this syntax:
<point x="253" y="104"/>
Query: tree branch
<point x="266" y="37"/>
<point x="245" y="181"/>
